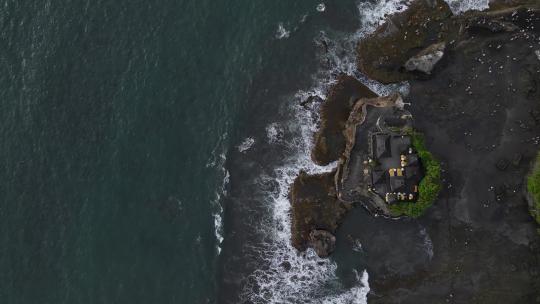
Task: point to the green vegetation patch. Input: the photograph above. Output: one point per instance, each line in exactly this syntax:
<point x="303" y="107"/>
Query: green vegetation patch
<point x="533" y="186"/>
<point x="430" y="185"/>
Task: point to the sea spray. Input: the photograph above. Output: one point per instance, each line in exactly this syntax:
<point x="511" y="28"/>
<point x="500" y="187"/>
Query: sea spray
<point x="282" y="32"/>
<point x="217" y="160"/>
<point x="246" y="144"/>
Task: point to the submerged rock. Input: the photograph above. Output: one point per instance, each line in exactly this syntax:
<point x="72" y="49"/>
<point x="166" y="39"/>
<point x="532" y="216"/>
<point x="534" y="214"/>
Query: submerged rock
<point x="426" y="59"/>
<point x="329" y="140"/>
<point x="323" y="242"/>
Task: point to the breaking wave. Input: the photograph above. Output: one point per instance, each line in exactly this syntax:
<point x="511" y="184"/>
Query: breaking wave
<point x="274" y="133"/>
<point x="281" y="32"/>
<point x="289" y="276"/>
<point x="217" y="161"/>
<point x="292" y="277"/>
<point x="355" y="295"/>
<point x="246" y="144"/>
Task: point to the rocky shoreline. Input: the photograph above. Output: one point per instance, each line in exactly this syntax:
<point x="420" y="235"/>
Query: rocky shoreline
<point x="474" y="93"/>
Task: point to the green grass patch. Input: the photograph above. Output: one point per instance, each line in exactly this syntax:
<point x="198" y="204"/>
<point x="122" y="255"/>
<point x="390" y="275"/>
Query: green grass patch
<point x="533" y="186"/>
<point x="430" y="185"/>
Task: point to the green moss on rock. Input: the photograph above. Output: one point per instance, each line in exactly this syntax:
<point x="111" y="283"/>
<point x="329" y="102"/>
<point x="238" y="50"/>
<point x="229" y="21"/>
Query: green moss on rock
<point x="533" y="187"/>
<point x="429" y="186"/>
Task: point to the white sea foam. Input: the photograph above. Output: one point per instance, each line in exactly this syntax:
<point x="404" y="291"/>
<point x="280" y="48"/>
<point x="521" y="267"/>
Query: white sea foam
<point x="246" y="144"/>
<point x="460" y="6"/>
<point x="306" y="277"/>
<point x="307" y="272"/>
<point x="217" y="160"/>
<point x="274" y="133"/>
<point x="374" y="14"/>
<point x="221" y="191"/>
<point x="292" y="277"/>
<point x="281" y="32"/>
<point x="218" y="220"/>
<point x="355" y="295"/>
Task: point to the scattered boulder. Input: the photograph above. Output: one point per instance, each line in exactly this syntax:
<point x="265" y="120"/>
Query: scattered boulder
<point x="426" y="59"/>
<point x="323" y="242"/>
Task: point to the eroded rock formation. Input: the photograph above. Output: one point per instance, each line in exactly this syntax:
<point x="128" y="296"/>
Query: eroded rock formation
<point x="329" y="140"/>
<point x="315" y="207"/>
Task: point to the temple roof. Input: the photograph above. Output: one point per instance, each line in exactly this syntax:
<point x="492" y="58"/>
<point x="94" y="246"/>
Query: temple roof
<point x="382" y="145"/>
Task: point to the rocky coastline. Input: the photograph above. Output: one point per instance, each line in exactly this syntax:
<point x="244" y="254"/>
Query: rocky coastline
<point x="474" y="93"/>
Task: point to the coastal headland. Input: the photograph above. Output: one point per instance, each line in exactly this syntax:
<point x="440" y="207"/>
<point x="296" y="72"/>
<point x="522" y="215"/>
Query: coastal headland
<point x="474" y="96"/>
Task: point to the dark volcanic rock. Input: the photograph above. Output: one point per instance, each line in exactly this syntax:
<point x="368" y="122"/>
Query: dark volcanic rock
<point x="492" y="24"/>
<point x="314" y="207"/>
<point x="329" y="140"/>
<point x="477" y="113"/>
<point x="382" y="55"/>
<point x="323" y="242"/>
<point x="350" y="177"/>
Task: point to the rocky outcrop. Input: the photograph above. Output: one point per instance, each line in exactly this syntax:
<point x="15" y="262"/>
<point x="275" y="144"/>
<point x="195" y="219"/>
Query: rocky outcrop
<point x="391" y="54"/>
<point x="315" y="207"/>
<point x="323" y="242"/>
<point x="426" y="59"/>
<point x="382" y="55"/>
<point x="329" y="140"/>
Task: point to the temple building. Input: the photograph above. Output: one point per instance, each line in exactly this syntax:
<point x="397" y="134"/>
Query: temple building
<point x="395" y="167"/>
